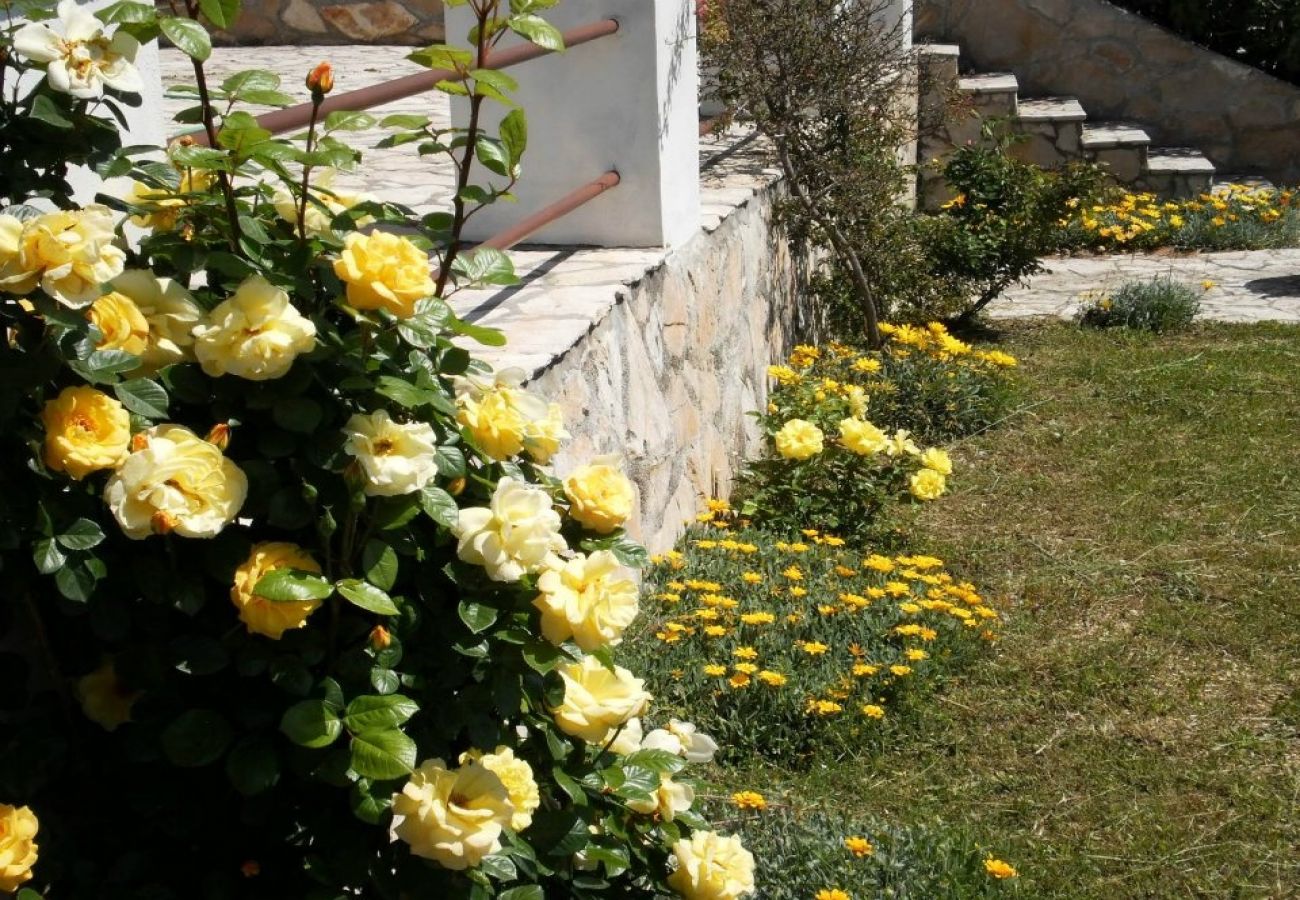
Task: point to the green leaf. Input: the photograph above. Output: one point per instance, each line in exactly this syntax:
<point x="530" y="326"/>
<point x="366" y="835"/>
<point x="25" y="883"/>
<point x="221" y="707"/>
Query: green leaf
<point x="493" y="155"/>
<point x="378" y="713"/>
<point x="349" y="120"/>
<point x="383" y="754"/>
<point x="538" y="30"/>
<point x="368" y="597"/>
<point x="127" y="11"/>
<point x="196" y="738"/>
<point x="486" y="265"/>
<point x="81" y="535"/>
<point x="368" y="806"/>
<point x="143" y="396"/>
<point x="439" y="506"/>
<point x="75" y="582"/>
<point x="47" y="556"/>
<point x="47" y="111"/>
<point x="292" y="586"/>
<point x="514" y="135"/>
<point x="404" y="393"/>
<point x="394" y="512"/>
<point x="386" y="681"/>
<point x="488" y="337"/>
<point x="311" y="723"/>
<point x="102" y="366"/>
<point x="634" y="782"/>
<point x="527" y="892"/>
<point x="198" y="157"/>
<point x="502" y="868"/>
<point x="189" y="36"/>
<point x="542" y="656"/>
<point x="253" y="766"/>
<point x="656" y="761"/>
<point x="477" y="617"/>
<point x="405" y="120"/>
<point x="451" y="461"/>
<point x="379" y="561"/>
<point x="300" y="415"/>
<point x="442" y="56"/>
<point x="250" y="80"/>
<point x="221" y="13"/>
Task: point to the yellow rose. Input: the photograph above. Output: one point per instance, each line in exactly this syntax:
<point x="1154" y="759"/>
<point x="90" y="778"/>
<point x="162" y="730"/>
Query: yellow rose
<point x="163" y="206"/>
<point x="18" y="828"/>
<point x="14" y="277"/>
<point x="495" y="424"/>
<point x="397" y="458"/>
<point x="927" y="484"/>
<point x="120" y="322"/>
<point x="798" y="439"/>
<point x="85" y="431"/>
<point x="256" y="334"/>
<point x="384" y="271"/>
<point x="453" y="817"/>
<point x="266" y="617"/>
<point x="589" y="599"/>
<point x="598" y="701"/>
<point x="901" y="444"/>
<point x="858" y="401"/>
<point x="712" y="867"/>
<point x="504" y="420"/>
<point x="600" y="495"/>
<point x="325" y="204"/>
<point x="669" y="800"/>
<point x="170" y="314"/>
<point x="862" y="438"/>
<point x="70" y="253"/>
<point x="517" y="535"/>
<point x="176" y="482"/>
<point x="543" y="435"/>
<point x="105" y="700"/>
<point x="517" y="776"/>
<point x="938" y="460"/>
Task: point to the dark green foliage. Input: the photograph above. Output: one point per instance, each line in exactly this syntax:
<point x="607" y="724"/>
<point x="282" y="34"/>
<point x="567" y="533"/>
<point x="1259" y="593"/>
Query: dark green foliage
<point x="1161" y="304"/>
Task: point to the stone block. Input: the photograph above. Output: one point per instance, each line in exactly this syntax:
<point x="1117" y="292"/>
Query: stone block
<point x="369" y="22"/>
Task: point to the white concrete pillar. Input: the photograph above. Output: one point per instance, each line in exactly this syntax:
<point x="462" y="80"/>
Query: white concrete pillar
<point x="628" y="102"/>
<point x="897" y="14"/>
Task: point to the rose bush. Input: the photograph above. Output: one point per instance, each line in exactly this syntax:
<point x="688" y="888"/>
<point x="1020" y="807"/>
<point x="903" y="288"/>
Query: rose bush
<point x="299" y="612"/>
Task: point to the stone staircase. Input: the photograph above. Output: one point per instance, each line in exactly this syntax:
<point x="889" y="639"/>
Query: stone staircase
<point x="1056" y="130"/>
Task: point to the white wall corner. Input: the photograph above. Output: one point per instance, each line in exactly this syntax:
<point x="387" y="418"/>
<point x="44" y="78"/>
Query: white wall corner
<point x="628" y="102"/>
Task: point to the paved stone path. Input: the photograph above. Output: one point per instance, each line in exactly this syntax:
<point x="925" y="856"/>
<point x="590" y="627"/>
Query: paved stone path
<point x="1248" y="286"/>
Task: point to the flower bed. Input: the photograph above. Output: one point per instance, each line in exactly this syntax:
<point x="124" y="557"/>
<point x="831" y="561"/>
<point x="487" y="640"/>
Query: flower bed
<point x="1239" y="217"/>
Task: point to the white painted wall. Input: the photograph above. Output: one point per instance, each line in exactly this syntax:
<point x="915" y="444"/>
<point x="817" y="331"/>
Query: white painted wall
<point x="628" y="102"/>
<point x="145" y="122"/>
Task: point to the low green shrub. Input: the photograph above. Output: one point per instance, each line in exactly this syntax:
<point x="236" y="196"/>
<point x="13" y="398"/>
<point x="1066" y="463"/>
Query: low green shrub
<point x="1003" y="219"/>
<point x="822" y="857"/>
<point x="1158" y="305"/>
<point x="789" y="648"/>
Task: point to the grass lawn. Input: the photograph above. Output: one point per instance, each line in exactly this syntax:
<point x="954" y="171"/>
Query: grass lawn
<point x="1137" y="731"/>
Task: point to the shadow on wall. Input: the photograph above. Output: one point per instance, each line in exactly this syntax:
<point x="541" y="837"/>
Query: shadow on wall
<point x="305" y="22"/>
<point x="1123" y="67"/>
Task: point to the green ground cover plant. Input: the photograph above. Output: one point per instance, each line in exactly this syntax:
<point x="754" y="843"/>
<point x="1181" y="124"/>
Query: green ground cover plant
<point x="1135" y="734"/>
<point x="798" y="648"/>
<point x="1161" y="304"/>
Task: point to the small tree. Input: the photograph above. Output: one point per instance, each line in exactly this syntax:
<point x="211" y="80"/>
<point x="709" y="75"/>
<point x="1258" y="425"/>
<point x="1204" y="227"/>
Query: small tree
<point x="825" y="81"/>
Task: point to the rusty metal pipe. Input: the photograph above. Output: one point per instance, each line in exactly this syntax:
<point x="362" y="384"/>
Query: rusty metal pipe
<point x="524" y="228"/>
<point x="281" y="120"/>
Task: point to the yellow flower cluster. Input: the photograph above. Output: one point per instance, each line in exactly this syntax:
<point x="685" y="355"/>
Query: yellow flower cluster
<point x="1143" y="220"/>
<point x="773" y="633"/>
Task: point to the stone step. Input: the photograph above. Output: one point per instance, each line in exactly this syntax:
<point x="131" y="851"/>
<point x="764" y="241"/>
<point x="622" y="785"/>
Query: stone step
<point x="990" y="83"/>
<point x="993" y="95"/>
<point x="1112" y="135"/>
<point x="1053" y="131"/>
<point x="1051" y="109"/>
<point x="1177" y="172"/>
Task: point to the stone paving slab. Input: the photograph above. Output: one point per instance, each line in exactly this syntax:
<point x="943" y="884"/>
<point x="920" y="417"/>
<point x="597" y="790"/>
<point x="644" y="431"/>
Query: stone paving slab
<point x="1248" y="285"/>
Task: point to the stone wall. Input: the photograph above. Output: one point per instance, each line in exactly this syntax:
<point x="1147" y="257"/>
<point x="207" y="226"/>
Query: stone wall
<point x="669" y="375"/>
<point x="303" y="22"/>
<point x="1123" y="67"/>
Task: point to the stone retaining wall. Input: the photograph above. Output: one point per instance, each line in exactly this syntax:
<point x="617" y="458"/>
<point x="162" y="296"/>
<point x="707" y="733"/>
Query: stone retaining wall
<point x="1122" y="66"/>
<point x="669" y="376"/>
<point x="304" y="22"/>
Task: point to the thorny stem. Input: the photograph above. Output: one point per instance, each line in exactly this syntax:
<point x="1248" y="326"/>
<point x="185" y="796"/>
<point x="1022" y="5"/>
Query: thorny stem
<point x="484" y="14"/>
<point x="210" y="127"/>
<point x="316" y="100"/>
